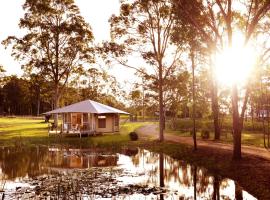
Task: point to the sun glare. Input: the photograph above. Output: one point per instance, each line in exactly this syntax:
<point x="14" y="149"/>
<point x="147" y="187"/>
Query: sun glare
<point x="234" y="65"/>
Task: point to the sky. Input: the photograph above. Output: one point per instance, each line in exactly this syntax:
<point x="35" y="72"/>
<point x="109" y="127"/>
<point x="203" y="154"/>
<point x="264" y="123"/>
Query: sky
<point x="95" y="12"/>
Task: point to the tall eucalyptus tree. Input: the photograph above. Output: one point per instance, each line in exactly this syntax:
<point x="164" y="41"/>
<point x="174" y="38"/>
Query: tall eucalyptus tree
<point x="144" y="28"/>
<point x="57" y="41"/>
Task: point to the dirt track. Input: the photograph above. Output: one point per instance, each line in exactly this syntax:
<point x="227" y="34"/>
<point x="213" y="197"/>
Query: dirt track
<point x="152" y="132"/>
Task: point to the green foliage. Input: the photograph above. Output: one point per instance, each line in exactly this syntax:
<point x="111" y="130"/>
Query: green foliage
<point x="57" y="41"/>
<point x="32" y="96"/>
<point x="143" y="28"/>
<point x="97" y="85"/>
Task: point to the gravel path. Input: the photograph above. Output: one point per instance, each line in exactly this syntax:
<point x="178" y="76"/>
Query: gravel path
<point x="151" y="131"/>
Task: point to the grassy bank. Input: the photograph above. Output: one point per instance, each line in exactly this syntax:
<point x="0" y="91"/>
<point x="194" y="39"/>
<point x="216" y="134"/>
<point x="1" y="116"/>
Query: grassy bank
<point x="252" y="132"/>
<point x="18" y="131"/>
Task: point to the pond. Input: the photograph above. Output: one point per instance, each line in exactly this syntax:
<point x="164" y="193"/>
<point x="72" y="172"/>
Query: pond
<point x="70" y="173"/>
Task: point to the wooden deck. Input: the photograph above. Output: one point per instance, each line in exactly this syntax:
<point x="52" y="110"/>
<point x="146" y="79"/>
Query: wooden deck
<point x="59" y="131"/>
<point x="71" y="133"/>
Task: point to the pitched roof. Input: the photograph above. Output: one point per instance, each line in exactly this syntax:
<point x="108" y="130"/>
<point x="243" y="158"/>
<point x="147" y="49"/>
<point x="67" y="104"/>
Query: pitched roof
<point x="87" y="106"/>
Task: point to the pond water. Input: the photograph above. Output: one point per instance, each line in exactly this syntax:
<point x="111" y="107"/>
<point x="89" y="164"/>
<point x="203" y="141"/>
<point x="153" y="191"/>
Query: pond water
<point x="66" y="173"/>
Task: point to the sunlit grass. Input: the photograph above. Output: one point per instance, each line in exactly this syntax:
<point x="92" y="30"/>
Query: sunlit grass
<point x="22" y="127"/>
<point x="25" y="130"/>
<point x="248" y="138"/>
<point x="251" y="135"/>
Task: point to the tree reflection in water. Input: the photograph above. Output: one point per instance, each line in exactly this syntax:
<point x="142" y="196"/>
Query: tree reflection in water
<point x="190" y="182"/>
<point x="33" y="161"/>
<point x="238" y="192"/>
<point x="20" y="162"/>
<point x="155" y="169"/>
<point x="195" y="181"/>
<point x="161" y="173"/>
<point x="216" y="186"/>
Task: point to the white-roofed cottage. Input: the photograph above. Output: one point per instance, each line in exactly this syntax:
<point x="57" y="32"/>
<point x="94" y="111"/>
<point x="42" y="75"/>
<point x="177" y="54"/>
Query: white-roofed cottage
<point x="87" y="117"/>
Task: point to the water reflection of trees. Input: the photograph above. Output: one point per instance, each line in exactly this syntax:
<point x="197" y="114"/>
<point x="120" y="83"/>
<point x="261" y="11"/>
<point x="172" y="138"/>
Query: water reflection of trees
<point x="161" y="173"/>
<point x="216" y="186"/>
<point x="181" y="175"/>
<point x="20" y="161"/>
<point x="238" y="192"/>
<point x="159" y="169"/>
<point x="33" y="161"/>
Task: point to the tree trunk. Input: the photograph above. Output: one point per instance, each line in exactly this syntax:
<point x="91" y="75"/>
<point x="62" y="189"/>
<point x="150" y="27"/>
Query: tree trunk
<point x="56" y="104"/>
<point x="236" y="124"/>
<point x="38" y="105"/>
<point x="56" y="78"/>
<point x="195" y="182"/>
<point x="216" y="186"/>
<point x="161" y="106"/>
<point x="161" y="170"/>
<point x="252" y="117"/>
<point x="193" y="102"/>
<point x="143" y="101"/>
<point x="215" y="110"/>
<point x="214" y="100"/>
<point x="238" y="192"/>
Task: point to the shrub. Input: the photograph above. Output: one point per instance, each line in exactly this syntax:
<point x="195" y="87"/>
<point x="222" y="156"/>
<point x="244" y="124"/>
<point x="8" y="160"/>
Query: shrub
<point x="133" y="136"/>
<point x="205" y="134"/>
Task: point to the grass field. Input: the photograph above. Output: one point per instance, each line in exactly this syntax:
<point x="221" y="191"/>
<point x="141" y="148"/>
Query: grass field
<point x="248" y="138"/>
<point x="252" y="132"/>
<point x="22" y="127"/>
<point x="35" y="131"/>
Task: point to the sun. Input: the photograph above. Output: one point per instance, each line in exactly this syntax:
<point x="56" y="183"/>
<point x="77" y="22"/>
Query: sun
<point x="234" y="65"/>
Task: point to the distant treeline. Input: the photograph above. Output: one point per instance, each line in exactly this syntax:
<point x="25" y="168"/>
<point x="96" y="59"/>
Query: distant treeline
<point x="33" y="96"/>
<point x="19" y="96"/>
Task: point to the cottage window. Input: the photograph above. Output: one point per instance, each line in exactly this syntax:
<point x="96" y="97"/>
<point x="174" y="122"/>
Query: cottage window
<point x="101" y="121"/>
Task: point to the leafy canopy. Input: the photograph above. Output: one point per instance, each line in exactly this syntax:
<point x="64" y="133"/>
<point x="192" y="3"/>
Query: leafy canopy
<point x="57" y="39"/>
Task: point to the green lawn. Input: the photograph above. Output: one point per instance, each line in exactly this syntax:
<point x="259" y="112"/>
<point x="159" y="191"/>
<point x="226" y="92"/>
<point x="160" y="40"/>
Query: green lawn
<point x="35" y="131"/>
<point x="252" y="133"/>
<point x="22" y="127"/>
<point x="248" y="138"/>
<point x="26" y="130"/>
